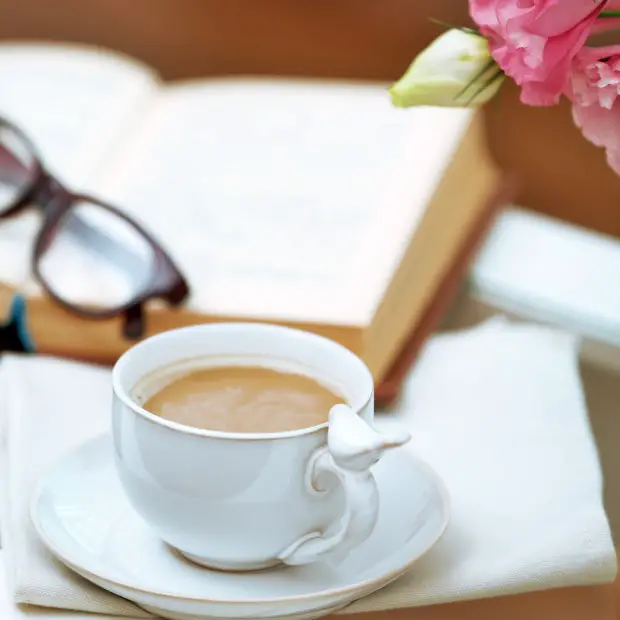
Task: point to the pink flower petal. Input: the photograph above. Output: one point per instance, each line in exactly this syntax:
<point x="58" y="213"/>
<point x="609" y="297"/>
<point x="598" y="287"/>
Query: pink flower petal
<point x="535" y="41"/>
<point x="594" y="89"/>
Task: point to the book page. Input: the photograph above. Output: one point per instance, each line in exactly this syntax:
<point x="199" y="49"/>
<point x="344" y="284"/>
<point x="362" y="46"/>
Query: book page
<point x="78" y="106"/>
<point x="283" y="199"/>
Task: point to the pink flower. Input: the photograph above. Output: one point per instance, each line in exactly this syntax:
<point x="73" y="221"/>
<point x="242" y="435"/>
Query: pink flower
<point x="535" y="41"/>
<point x="594" y="89"/>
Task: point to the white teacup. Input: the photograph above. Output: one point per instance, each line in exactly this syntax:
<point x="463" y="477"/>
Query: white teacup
<point x="245" y="501"/>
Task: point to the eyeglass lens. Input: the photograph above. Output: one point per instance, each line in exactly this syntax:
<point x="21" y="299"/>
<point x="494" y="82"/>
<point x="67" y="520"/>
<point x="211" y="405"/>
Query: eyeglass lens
<point x="17" y="167"/>
<point x="96" y="255"/>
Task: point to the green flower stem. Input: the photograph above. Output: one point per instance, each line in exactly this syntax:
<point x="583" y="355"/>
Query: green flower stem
<point x="609" y="15"/>
<point x="448" y="26"/>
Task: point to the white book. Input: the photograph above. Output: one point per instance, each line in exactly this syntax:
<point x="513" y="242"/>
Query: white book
<point x="310" y="203"/>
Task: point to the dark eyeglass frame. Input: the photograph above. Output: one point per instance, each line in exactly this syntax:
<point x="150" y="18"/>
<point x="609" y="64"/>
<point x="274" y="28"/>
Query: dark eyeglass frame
<point x="55" y="201"/>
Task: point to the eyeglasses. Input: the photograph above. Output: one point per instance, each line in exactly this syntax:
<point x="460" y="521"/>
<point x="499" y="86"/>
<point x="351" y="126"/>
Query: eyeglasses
<point x="115" y="253"/>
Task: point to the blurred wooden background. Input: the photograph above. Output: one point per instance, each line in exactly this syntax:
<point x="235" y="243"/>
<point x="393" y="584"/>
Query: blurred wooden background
<point x="560" y="173"/>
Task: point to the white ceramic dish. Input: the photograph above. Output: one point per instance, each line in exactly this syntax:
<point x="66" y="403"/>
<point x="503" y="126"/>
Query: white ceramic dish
<point x="82" y="515"/>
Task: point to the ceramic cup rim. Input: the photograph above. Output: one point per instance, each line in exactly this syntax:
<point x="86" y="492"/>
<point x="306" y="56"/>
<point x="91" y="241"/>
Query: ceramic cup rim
<point x="233" y="327"/>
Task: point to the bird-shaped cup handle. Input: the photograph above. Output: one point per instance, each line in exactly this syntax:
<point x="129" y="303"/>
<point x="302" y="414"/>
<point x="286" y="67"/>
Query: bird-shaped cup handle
<point x="353" y="447"/>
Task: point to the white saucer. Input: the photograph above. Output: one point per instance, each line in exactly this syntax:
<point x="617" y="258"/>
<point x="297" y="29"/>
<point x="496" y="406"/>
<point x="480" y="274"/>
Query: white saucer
<point x="81" y="513"/>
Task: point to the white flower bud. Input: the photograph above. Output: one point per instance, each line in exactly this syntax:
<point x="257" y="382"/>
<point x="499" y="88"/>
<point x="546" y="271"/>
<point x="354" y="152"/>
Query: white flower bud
<point x="455" y="70"/>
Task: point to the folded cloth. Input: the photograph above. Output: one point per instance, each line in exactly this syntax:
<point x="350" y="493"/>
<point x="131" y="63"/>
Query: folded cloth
<point x="581" y="603"/>
<point x="9" y="610"/>
<point x="51" y="406"/>
<point x="497" y="410"/>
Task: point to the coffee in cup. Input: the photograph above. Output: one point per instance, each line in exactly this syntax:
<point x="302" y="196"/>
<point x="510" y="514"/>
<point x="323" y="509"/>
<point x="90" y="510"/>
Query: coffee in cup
<point x="242" y="399"/>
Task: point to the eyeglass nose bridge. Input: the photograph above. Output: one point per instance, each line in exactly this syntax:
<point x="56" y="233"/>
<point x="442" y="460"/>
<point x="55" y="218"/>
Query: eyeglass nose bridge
<point x="50" y="194"/>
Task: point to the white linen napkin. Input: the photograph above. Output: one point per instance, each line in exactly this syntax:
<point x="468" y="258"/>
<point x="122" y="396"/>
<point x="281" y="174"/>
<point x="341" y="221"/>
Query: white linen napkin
<point x="497" y="410"/>
<point x="580" y="603"/>
<point x="9" y="610"/>
<point x="51" y="406"/>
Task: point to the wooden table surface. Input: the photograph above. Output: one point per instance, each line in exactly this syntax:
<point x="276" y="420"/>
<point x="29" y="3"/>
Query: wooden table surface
<point x="585" y="603"/>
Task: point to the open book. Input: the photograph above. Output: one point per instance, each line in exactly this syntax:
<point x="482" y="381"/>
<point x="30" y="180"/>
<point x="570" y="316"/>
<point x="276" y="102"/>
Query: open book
<point x="303" y="202"/>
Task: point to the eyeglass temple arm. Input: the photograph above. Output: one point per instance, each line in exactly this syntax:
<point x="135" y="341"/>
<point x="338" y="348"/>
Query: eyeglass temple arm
<point x="133" y="322"/>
